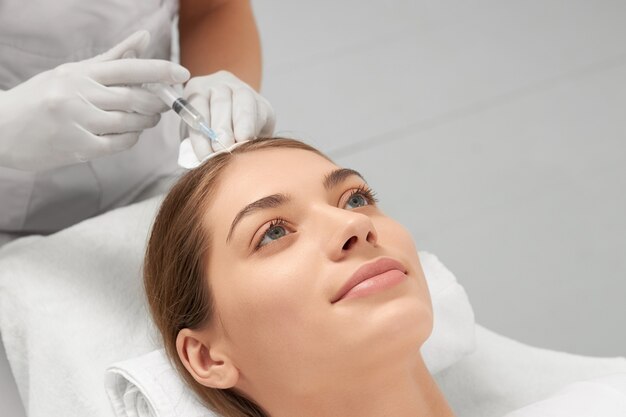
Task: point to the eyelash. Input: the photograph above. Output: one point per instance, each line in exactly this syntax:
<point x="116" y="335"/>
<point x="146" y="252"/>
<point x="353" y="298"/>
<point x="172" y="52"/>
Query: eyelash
<point x="367" y="192"/>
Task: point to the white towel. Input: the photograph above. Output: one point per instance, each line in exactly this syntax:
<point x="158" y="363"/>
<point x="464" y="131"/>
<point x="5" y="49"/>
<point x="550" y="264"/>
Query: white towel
<point x="149" y="386"/>
<point x="71" y="304"/>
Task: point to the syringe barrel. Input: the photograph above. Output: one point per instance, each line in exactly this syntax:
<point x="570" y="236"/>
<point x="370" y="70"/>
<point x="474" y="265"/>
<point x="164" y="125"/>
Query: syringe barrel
<point x="190" y="115"/>
<point x="186" y="111"/>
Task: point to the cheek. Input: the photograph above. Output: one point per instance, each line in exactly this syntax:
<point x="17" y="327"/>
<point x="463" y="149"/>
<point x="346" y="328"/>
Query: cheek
<point x="267" y="302"/>
<point x="419" y="310"/>
<point x="396" y="237"/>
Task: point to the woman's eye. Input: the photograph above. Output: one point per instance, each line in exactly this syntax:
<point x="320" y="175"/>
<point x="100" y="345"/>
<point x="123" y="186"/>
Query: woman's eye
<point x="275" y="231"/>
<point x="362" y="196"/>
<point x="359" y="197"/>
<point x="357" y="200"/>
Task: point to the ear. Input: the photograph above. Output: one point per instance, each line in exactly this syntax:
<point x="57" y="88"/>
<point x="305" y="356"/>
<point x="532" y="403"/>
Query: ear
<point x="206" y="362"/>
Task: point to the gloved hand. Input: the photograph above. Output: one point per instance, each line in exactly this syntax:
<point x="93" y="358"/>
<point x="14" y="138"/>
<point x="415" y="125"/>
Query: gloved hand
<point x="231" y="107"/>
<point x="82" y="110"/>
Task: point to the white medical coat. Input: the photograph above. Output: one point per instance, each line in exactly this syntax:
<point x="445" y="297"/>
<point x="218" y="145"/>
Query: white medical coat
<point x="36" y="36"/>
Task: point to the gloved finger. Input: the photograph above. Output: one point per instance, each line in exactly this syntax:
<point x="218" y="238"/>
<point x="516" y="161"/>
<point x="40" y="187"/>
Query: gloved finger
<point x="96" y="146"/>
<point x="221" y="105"/>
<point x="201" y="144"/>
<point x="244" y="114"/>
<point x="201" y="103"/>
<point x="266" y="116"/>
<point x="138" y="71"/>
<point x="129" y="98"/>
<point x="113" y="143"/>
<point x="204" y="83"/>
<point x="134" y="44"/>
<point x="100" y="122"/>
<point x="229" y="79"/>
<point x="88" y="146"/>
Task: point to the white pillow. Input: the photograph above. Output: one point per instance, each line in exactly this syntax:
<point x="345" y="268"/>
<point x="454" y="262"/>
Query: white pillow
<point x="72" y="304"/>
<point x="453" y="335"/>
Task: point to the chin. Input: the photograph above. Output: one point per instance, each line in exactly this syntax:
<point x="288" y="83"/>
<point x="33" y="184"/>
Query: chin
<point x="396" y="322"/>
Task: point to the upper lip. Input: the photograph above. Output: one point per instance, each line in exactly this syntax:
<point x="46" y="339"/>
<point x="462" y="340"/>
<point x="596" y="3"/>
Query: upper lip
<point x="366" y="271"/>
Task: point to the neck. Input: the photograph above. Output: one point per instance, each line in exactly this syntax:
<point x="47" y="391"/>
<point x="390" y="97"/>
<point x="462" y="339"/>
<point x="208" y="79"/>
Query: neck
<point x="391" y="392"/>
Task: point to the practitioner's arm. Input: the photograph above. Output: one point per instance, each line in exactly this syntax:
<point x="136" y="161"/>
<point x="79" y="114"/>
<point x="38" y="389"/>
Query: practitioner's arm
<point x="220" y="35"/>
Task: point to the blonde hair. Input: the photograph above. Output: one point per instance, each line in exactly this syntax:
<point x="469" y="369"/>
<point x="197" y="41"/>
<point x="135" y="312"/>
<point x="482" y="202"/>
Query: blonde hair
<point x="175" y="264"/>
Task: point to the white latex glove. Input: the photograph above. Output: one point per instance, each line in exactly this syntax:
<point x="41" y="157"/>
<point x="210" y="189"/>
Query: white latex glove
<point x="82" y="110"/>
<point x="231" y="107"/>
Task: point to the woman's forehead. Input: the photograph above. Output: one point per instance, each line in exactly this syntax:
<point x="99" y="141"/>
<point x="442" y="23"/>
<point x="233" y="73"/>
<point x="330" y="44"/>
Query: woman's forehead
<point x="253" y="175"/>
<point x="275" y="167"/>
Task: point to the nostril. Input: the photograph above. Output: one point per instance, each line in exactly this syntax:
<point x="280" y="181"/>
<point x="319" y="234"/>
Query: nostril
<point x="349" y="243"/>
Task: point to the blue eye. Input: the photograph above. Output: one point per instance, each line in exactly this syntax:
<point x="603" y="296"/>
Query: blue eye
<point x="362" y="196"/>
<point x="274" y="231"/>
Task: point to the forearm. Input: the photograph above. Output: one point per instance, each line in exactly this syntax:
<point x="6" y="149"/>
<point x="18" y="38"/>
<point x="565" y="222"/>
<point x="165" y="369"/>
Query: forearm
<point x="221" y="37"/>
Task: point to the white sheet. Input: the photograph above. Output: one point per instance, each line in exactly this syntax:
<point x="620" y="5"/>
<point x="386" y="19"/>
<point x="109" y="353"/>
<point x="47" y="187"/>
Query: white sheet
<point x="598" y="397"/>
<point x="503" y="375"/>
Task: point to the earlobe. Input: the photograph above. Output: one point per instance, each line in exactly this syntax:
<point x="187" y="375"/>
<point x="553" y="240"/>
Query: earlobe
<point x="207" y="364"/>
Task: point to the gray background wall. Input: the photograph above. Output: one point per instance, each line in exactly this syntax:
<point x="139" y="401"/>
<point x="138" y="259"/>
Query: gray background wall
<point x="494" y="130"/>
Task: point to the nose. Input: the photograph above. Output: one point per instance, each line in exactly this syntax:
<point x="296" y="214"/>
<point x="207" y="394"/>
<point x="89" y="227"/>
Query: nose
<point x="353" y="230"/>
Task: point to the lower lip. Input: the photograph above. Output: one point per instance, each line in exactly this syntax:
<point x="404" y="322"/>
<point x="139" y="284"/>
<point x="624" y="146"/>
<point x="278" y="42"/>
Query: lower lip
<point x="376" y="283"/>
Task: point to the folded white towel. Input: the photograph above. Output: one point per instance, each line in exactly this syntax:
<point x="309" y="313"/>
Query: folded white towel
<point x="149" y="386"/>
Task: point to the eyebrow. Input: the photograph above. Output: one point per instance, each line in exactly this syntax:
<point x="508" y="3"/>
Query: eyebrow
<point x="331" y="180"/>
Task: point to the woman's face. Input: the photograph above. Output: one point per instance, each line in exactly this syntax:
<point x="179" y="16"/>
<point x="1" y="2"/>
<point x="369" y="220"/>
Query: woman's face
<point x="275" y="282"/>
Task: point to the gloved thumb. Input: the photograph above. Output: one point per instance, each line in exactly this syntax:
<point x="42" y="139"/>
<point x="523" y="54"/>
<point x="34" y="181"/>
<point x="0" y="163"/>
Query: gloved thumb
<point x="131" y="47"/>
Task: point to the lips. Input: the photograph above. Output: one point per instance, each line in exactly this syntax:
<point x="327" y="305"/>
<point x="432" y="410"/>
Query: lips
<point x="368" y="271"/>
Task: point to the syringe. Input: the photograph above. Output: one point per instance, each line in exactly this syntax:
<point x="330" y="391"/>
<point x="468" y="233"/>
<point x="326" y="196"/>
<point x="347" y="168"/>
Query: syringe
<point x="186" y="111"/>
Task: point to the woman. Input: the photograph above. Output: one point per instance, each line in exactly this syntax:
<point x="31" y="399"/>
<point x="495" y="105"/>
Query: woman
<point x="250" y="276"/>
